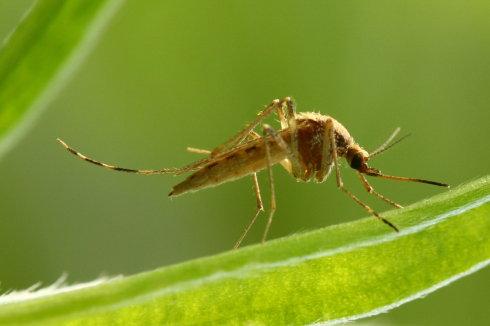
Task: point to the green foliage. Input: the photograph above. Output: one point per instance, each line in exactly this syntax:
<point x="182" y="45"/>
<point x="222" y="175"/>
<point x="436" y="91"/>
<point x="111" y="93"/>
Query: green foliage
<point x="36" y="59"/>
<point x="338" y="273"/>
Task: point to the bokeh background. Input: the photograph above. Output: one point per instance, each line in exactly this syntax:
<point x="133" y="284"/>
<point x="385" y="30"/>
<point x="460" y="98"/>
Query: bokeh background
<point x="171" y="74"/>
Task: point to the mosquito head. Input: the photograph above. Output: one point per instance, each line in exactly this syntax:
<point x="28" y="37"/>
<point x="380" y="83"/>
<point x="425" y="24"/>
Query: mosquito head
<point x="357" y="158"/>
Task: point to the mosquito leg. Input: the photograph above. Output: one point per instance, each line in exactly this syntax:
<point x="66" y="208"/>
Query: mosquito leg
<point x="259" y="208"/>
<point x="175" y="171"/>
<point x="268" y="131"/>
<point x="331" y="136"/>
<point x="371" y="190"/>
<point x="258" y="197"/>
<point x="198" y="151"/>
<point x="286" y="110"/>
<point x="369" y="209"/>
<point x="290" y="107"/>
<point x="327" y="153"/>
<point x="282" y="115"/>
<point x="238" y="138"/>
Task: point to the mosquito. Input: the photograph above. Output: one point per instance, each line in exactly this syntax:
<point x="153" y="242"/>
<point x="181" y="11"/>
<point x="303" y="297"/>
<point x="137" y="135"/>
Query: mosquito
<point x="307" y="146"/>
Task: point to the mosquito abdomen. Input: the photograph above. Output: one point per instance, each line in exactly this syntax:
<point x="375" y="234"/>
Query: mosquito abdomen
<point x="232" y="165"/>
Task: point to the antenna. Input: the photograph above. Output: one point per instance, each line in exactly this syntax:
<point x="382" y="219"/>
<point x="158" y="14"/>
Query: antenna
<point x="388" y="143"/>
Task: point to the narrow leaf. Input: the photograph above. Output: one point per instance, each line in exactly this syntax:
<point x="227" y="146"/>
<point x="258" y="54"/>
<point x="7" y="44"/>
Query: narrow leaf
<point x="36" y="59"/>
<point x="335" y="274"/>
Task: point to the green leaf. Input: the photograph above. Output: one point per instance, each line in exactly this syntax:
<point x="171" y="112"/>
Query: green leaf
<point x="339" y="273"/>
<point x="36" y="59"/>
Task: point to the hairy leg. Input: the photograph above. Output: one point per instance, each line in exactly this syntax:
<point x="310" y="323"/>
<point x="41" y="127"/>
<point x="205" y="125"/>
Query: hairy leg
<point x="371" y="190"/>
<point x="340" y="184"/>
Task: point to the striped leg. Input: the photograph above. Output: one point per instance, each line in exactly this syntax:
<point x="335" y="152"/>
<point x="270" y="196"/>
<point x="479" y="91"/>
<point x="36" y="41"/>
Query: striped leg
<point x="371" y="190"/>
<point x="329" y="131"/>
<point x="117" y="168"/>
<point x="270" y="134"/>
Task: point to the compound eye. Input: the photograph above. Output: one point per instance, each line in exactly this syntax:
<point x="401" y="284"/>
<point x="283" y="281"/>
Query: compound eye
<point x="357" y="161"/>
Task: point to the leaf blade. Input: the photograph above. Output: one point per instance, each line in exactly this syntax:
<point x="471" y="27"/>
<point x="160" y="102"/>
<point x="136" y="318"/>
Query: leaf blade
<point x="42" y="52"/>
<point x="332" y="275"/>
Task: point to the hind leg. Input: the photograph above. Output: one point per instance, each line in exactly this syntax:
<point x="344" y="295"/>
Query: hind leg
<point x="259" y="208"/>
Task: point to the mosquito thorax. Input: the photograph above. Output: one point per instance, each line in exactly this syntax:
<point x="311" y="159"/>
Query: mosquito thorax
<point x="357" y="157"/>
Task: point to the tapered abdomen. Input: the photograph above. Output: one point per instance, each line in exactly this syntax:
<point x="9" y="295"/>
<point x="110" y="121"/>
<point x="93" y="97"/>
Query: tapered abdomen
<point x="237" y="163"/>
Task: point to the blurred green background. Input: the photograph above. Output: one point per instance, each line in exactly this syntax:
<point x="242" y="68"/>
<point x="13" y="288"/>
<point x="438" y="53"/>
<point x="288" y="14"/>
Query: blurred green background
<point x="172" y="74"/>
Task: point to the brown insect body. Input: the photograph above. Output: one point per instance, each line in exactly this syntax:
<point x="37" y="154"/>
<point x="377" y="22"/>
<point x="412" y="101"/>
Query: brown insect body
<point x="308" y="146"/>
<point x="250" y="157"/>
